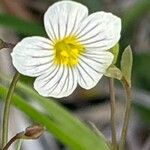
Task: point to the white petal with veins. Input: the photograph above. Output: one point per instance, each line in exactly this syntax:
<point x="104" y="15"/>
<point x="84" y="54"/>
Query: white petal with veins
<point x="75" y="53"/>
<point x="33" y="56"/>
<point x="91" y="68"/>
<point x="58" y="83"/>
<point x="63" y="18"/>
<point x="100" y="30"/>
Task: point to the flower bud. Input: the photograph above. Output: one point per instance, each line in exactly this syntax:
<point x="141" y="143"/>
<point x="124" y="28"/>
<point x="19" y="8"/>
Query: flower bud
<point x="33" y="132"/>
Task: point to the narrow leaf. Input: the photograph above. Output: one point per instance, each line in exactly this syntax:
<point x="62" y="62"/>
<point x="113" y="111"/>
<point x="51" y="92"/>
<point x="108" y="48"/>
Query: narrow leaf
<point x="67" y="128"/>
<point x="126" y="64"/>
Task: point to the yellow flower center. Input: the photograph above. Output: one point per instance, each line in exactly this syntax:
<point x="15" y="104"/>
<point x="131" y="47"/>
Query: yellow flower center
<point x="67" y="51"/>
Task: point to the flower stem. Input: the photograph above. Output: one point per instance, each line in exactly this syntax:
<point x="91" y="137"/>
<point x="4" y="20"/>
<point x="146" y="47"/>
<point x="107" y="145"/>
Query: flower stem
<point x="113" y="120"/>
<point x="127" y="89"/>
<point x="12" y="140"/>
<point x="7" y="109"/>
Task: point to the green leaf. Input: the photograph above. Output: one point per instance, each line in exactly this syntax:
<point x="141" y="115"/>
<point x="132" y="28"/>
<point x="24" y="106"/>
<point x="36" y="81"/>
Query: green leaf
<point x="115" y="51"/>
<point x="65" y="127"/>
<point x="68" y="123"/>
<point x="126" y="64"/>
<point x="114" y="72"/>
<point x="21" y="26"/>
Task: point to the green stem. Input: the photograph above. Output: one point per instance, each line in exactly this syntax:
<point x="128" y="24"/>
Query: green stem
<point x="127" y="89"/>
<point x="113" y="119"/>
<point x="18" y="145"/>
<point x="7" y="109"/>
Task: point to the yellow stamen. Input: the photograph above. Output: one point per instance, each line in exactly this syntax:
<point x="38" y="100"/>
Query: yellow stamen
<point x="67" y="51"/>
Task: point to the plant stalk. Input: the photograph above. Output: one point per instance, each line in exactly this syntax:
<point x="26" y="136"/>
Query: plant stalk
<point x="12" y="140"/>
<point x="113" y="119"/>
<point x="7" y="109"/>
<point x="127" y="89"/>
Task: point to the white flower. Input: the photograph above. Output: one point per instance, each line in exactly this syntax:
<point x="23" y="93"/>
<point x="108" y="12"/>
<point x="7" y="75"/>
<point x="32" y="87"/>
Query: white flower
<point x="75" y="53"/>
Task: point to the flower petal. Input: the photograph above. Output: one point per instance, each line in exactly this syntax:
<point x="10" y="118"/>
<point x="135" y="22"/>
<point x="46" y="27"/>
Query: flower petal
<point x="33" y="56"/>
<point x="63" y="18"/>
<point x="100" y="30"/>
<point x="92" y="66"/>
<point x="60" y="82"/>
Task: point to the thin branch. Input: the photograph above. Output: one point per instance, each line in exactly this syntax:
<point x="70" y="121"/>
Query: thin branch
<point x="12" y="140"/>
<point x="113" y="119"/>
<point x="7" y="108"/>
<point x="127" y="114"/>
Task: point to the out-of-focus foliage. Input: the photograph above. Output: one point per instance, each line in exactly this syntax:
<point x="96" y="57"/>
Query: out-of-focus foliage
<point x="141" y="71"/>
<point x="143" y="111"/>
<point x="21" y="26"/>
<point x="67" y="128"/>
<point x="131" y="18"/>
